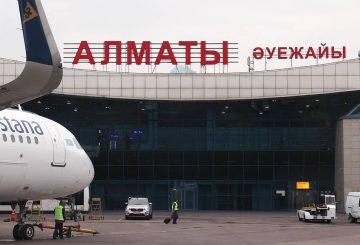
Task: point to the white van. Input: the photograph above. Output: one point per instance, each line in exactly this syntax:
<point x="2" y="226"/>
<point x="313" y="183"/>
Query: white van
<point x="352" y="206"/>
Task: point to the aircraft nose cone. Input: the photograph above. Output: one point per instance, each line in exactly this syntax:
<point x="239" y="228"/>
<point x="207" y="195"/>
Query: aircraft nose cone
<point x="91" y="171"/>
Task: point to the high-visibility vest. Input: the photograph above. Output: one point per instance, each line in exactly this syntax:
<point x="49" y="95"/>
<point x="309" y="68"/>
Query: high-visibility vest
<point x="175" y="207"/>
<point x="59" y="213"/>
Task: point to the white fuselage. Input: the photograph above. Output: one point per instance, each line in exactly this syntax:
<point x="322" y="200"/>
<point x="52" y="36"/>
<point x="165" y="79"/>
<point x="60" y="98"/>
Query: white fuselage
<point x="39" y="158"/>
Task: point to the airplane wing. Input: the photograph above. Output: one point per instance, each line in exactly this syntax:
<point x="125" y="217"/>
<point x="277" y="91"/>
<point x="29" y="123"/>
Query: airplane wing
<point x="43" y="69"/>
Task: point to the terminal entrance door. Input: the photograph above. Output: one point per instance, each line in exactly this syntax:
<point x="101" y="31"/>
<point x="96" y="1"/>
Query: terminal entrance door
<point x="281" y="200"/>
<point x="302" y="197"/>
<point x="189" y="199"/>
<point x="187" y="194"/>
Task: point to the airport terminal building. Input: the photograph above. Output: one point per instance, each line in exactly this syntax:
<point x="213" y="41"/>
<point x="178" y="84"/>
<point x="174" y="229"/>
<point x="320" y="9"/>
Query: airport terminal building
<point x="264" y="140"/>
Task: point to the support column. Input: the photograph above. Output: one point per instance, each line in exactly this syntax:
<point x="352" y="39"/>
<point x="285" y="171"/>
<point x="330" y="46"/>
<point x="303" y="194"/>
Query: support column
<point x="347" y="160"/>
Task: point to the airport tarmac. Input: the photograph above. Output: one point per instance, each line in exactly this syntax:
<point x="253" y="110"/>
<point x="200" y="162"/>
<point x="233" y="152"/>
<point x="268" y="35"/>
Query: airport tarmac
<point x="210" y="228"/>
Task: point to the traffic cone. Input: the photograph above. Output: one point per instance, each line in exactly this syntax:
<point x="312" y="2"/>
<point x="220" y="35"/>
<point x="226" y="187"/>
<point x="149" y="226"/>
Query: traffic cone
<point x="13" y="216"/>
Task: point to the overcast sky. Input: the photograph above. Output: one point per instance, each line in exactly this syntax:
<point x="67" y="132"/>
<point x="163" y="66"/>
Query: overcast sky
<point x="251" y="23"/>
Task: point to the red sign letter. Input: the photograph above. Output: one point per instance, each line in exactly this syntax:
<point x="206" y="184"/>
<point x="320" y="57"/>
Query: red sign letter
<point x="188" y="45"/>
<point x="204" y="53"/>
<point x="145" y="50"/>
<point x="258" y="53"/>
<point x="107" y="45"/>
<point x="170" y="56"/>
<point x="80" y="56"/>
<point x="225" y="52"/>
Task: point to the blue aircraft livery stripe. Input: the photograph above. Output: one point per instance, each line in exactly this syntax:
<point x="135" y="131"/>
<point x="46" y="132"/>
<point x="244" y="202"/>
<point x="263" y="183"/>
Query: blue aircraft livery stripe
<point x="36" y="45"/>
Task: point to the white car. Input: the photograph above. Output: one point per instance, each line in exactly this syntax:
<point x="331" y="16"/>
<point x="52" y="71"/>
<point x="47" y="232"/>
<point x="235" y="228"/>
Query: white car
<point x="138" y="207"/>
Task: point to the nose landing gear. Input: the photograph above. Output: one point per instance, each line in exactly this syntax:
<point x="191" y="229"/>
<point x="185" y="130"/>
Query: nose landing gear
<point x="22" y="231"/>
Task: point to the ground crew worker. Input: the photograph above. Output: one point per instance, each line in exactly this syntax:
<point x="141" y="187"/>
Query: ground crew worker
<point x="59" y="213"/>
<point x="174" y="210"/>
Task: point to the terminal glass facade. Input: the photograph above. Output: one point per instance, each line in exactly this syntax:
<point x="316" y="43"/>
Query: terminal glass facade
<point x="217" y="155"/>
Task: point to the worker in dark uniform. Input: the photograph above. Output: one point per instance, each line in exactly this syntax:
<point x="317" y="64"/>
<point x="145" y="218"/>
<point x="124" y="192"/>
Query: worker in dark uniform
<point x="174" y="210"/>
<point x="59" y="213"/>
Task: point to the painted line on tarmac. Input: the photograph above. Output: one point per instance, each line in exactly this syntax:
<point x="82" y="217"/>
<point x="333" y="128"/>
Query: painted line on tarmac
<point x="121" y="233"/>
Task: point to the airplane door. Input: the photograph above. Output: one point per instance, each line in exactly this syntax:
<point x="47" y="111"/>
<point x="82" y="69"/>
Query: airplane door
<point x="59" y="154"/>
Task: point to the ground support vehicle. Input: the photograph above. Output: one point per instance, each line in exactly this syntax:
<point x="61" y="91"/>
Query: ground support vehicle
<point x="325" y="212"/>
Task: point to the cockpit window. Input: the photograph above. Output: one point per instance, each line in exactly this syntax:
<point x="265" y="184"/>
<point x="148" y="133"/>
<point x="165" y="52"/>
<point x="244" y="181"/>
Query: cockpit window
<point x="77" y="144"/>
<point x="69" y="142"/>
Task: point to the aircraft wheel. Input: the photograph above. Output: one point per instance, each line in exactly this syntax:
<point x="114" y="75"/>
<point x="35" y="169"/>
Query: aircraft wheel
<point x="27" y="232"/>
<point x="16" y="232"/>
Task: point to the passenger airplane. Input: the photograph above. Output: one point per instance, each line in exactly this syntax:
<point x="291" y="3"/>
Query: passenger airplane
<point x="39" y="158"/>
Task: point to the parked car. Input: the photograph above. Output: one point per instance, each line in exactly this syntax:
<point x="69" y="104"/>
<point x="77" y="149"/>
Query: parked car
<point x="352" y="206"/>
<point x="138" y="207"/>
